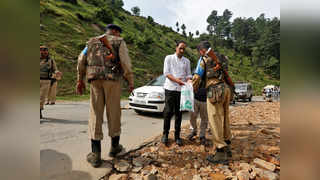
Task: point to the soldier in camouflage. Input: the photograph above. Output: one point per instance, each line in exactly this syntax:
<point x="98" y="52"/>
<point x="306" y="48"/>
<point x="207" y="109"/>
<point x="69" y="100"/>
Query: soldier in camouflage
<point x="48" y="67"/>
<point x="104" y="61"/>
<point x="218" y="99"/>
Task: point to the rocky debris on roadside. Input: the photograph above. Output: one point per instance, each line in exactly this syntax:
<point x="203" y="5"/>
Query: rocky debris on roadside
<point x="255" y="152"/>
<point x="118" y="177"/>
<point x="264" y="164"/>
<point x="122" y="166"/>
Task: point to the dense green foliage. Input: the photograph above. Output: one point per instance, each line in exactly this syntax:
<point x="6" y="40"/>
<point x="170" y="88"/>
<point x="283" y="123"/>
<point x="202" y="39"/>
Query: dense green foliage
<point x="256" y="38"/>
<point x="65" y="26"/>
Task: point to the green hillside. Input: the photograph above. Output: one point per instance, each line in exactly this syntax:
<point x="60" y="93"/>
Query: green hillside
<point x="65" y="27"/>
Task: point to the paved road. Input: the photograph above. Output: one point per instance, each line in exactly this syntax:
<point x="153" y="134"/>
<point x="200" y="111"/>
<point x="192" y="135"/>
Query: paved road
<point x="64" y="141"/>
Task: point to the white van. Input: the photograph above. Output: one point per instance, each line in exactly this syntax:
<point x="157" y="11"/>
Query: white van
<point x="244" y="91"/>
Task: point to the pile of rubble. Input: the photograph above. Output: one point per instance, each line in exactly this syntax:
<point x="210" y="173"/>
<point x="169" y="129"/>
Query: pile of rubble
<point x="255" y="152"/>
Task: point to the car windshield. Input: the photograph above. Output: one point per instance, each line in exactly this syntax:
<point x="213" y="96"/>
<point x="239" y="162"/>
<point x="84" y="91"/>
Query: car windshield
<point x="159" y="81"/>
<point x="242" y="87"/>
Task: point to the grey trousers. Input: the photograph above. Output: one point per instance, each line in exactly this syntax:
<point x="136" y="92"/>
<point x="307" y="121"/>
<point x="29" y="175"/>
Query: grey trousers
<point x="199" y="107"/>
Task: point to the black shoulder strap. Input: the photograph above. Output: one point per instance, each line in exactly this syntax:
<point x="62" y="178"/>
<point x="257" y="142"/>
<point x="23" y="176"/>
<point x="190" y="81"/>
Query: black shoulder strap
<point x="51" y="69"/>
<point x="203" y="79"/>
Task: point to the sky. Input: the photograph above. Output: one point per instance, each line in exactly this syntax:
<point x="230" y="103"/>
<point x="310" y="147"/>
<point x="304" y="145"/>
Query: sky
<point x="194" y="13"/>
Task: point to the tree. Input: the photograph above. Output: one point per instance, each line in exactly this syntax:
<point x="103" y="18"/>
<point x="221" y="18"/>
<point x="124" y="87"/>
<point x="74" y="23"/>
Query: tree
<point x="226" y="25"/>
<point x="177" y="24"/>
<point x="118" y="3"/>
<point x="135" y="10"/>
<point x="114" y="3"/>
<point x="71" y="1"/>
<point x="105" y="14"/>
<point x="183" y="27"/>
<point x="197" y="32"/>
<point x="150" y="20"/>
<point x="212" y="20"/>
<point x="191" y="36"/>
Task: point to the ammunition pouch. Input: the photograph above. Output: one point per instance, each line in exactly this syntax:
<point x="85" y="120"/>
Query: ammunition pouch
<point x="215" y="93"/>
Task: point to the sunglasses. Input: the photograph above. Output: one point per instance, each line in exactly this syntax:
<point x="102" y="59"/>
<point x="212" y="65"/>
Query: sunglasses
<point x="43" y="49"/>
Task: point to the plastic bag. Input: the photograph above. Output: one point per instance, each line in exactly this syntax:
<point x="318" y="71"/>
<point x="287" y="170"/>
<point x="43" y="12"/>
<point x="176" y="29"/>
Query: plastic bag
<point x="187" y="98"/>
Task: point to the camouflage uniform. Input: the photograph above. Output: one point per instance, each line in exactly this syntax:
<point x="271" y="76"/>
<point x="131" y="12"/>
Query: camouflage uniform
<point x="218" y="99"/>
<point x="105" y="83"/>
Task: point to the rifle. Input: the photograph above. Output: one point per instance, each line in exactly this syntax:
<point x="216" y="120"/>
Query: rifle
<point x="213" y="56"/>
<point x="106" y="43"/>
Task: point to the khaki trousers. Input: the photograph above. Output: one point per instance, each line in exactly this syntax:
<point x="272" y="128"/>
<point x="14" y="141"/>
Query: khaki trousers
<point x="218" y="115"/>
<point x="104" y="95"/>
<point x="44" y="89"/>
<point x="199" y="107"/>
<point x="52" y="93"/>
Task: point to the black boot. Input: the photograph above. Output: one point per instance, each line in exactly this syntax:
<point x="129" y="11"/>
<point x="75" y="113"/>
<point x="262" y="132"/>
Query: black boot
<point x="191" y="135"/>
<point x="219" y="158"/>
<point x="41" y="114"/>
<point x="178" y="139"/>
<point x="115" y="146"/>
<point x="203" y="140"/>
<point x="228" y="148"/>
<point x="165" y="139"/>
<point x="94" y="158"/>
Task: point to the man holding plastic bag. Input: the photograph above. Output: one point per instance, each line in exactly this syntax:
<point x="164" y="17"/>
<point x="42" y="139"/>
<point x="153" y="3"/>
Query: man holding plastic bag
<point x="177" y="71"/>
<point x="187" y="97"/>
<point x="218" y="99"/>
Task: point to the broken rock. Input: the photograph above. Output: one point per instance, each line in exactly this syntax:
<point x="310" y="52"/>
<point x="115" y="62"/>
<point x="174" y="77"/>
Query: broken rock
<point x="244" y="166"/>
<point x="150" y="177"/>
<point x="264" y="164"/>
<point x="243" y="175"/>
<point x="196" y="177"/>
<point x="122" y="166"/>
<point x="265" y="174"/>
<point x="136" y="169"/>
<point x="118" y="176"/>
<point x="217" y="176"/>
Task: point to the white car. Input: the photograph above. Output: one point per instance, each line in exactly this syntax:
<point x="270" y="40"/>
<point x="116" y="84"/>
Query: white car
<point x="150" y="97"/>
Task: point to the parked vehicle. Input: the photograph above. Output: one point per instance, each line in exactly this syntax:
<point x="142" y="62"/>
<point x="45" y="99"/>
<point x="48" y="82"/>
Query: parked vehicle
<point x="244" y="91"/>
<point x="269" y="92"/>
<point x="149" y="98"/>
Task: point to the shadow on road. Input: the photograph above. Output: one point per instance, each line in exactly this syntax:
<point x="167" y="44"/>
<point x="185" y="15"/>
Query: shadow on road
<point x="63" y="121"/>
<point x="151" y="114"/>
<point x="185" y="115"/>
<point x="58" y="166"/>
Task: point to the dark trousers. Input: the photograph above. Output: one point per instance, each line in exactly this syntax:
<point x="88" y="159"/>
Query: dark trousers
<point x="172" y="107"/>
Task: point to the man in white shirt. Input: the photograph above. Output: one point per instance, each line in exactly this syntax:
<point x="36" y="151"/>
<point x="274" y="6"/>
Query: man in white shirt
<point x="177" y="71"/>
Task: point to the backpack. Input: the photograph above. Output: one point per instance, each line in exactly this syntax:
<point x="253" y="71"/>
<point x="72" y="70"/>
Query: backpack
<point x="224" y="62"/>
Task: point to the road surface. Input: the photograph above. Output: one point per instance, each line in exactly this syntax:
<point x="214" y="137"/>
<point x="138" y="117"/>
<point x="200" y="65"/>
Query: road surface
<point x="64" y="141"/>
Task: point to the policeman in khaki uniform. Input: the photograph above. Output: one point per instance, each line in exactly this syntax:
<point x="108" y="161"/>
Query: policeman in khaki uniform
<point x="218" y="99"/>
<point x="48" y="67"/>
<point x="51" y="100"/>
<point x="104" y="61"/>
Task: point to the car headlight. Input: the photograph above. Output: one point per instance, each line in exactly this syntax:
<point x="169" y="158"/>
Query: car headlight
<point x="156" y="95"/>
<point x="132" y="93"/>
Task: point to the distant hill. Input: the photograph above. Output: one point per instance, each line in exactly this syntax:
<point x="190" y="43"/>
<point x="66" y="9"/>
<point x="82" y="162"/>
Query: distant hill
<point x="66" y="25"/>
